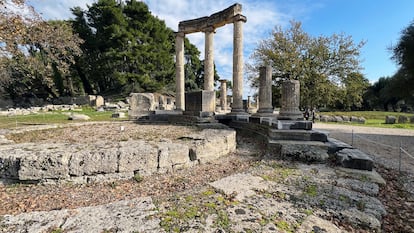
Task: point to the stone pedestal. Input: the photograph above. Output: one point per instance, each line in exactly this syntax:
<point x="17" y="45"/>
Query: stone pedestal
<point x="290" y="101"/>
<point x="200" y="103"/>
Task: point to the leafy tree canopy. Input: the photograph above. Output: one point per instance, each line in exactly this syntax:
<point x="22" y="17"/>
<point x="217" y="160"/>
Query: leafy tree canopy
<point x="324" y="65"/>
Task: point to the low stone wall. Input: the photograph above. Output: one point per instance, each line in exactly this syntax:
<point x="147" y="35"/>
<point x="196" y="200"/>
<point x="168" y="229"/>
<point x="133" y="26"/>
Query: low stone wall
<point x="104" y="161"/>
<point x="352" y="119"/>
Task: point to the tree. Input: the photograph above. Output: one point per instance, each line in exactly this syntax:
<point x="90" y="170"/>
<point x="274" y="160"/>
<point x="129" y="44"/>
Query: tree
<point x="36" y="54"/>
<point x="403" y="54"/>
<point x="127" y="48"/>
<point x="321" y="64"/>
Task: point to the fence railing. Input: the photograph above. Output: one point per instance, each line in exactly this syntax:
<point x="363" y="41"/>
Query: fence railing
<point x="399" y="148"/>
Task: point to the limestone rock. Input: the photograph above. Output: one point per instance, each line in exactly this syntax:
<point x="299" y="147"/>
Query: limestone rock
<point x="315" y="224"/>
<point x="91" y="162"/>
<point x="354" y="158"/>
<point x="77" y="116"/>
<point x="172" y="156"/>
<point x="402" y="119"/>
<point x="390" y="119"/>
<point x="123" y="216"/>
<point x="243" y="185"/>
<point x="139" y="156"/>
<point x="49" y="163"/>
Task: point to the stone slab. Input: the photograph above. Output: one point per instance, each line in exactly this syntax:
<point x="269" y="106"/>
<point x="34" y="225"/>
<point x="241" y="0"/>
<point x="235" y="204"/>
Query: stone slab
<point x="335" y="145"/>
<point x="355" y="159"/>
<point x="123" y="216"/>
<point x="243" y="185"/>
<point x="298" y="135"/>
<point x="306" y="151"/>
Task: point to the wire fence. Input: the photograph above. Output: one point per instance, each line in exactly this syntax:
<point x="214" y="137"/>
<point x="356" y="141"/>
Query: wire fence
<point x="399" y="148"/>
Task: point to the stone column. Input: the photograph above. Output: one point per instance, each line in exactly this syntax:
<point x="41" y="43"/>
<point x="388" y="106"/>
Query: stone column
<point x="265" y="90"/>
<point x="290" y="101"/>
<point x="223" y="94"/>
<point x="179" y="71"/>
<point x="237" y="106"/>
<point x="209" y="59"/>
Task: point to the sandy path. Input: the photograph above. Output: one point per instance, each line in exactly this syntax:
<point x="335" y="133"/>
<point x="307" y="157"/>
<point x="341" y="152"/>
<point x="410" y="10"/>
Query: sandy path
<point x="381" y="143"/>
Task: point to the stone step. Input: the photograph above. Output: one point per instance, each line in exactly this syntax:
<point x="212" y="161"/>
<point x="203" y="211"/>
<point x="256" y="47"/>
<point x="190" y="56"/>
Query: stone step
<point x="306" y="151"/>
<point x="297" y="135"/>
<point x="354" y="158"/>
<point x="336" y="145"/>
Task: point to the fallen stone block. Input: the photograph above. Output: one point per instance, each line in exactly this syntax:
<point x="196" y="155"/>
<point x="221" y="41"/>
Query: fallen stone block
<point x="354" y="158"/>
<point x="390" y="119"/>
<point x="306" y="151"/>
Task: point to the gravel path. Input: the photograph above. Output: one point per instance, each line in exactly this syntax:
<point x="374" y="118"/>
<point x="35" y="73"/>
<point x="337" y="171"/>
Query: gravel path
<point x="381" y="143"/>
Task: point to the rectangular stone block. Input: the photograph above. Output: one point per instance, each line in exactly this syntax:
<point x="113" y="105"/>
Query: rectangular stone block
<point x="199" y="102"/>
<point x="355" y="159"/>
<point x="171" y="156"/>
<point x="138" y="156"/>
<point x="97" y="161"/>
<point x="45" y="164"/>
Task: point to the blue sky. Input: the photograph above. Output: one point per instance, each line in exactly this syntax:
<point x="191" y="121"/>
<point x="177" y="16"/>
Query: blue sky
<point x="378" y="22"/>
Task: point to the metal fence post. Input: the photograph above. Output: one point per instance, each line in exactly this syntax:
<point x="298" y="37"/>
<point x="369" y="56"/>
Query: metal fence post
<point x="399" y="163"/>
<point x="352" y="138"/>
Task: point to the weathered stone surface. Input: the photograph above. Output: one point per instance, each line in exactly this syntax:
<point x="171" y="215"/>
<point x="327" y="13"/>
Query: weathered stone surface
<point x="200" y="103"/>
<point x="4" y="140"/>
<point x="299" y="135"/>
<point x="123" y="216"/>
<point x="315" y="224"/>
<point x="354" y="119"/>
<point x="307" y="151"/>
<point x="210" y="144"/>
<point x="402" y="119"/>
<point x="91" y="162"/>
<point x="138" y="156"/>
<point x="141" y="104"/>
<point x="361" y="219"/>
<point x="354" y="158"/>
<point x="242" y="184"/>
<point x="346" y="118"/>
<point x="335" y="145"/>
<point x="390" y="119"/>
<point x="172" y="156"/>
<point x="78" y="117"/>
<point x="50" y="163"/>
<point x="371" y="176"/>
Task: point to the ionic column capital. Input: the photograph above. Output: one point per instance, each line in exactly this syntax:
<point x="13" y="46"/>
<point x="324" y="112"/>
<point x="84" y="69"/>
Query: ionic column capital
<point x="179" y="34"/>
<point x="239" y="17"/>
<point x="209" y="29"/>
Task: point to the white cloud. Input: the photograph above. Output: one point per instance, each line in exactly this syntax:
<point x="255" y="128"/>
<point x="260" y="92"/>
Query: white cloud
<point x="262" y="17"/>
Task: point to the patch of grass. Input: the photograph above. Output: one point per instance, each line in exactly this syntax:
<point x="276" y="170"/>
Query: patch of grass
<point x="53" y="117"/>
<point x="284" y="226"/>
<point x="223" y="220"/>
<point x="138" y="178"/>
<point x="56" y="230"/>
<point x="311" y="190"/>
<point x="209" y="192"/>
<point x="308" y="212"/>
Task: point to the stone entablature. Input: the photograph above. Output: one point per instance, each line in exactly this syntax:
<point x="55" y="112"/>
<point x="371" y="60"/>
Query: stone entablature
<point x="215" y="20"/>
